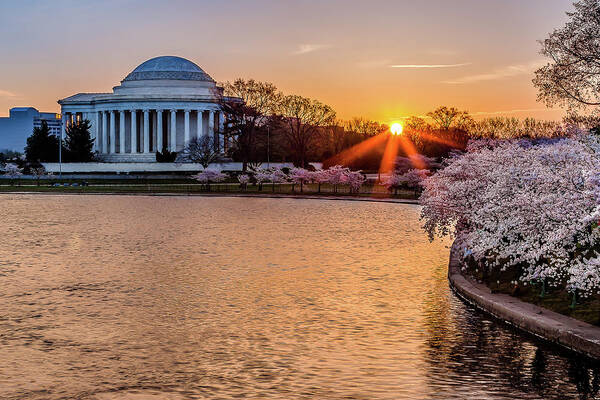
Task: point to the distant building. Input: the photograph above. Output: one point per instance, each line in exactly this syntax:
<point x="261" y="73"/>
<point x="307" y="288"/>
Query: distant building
<point x="18" y="126"/>
<point x="162" y="104"/>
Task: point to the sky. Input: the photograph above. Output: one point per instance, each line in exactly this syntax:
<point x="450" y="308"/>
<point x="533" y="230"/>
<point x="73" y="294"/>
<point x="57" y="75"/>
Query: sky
<point x="382" y="60"/>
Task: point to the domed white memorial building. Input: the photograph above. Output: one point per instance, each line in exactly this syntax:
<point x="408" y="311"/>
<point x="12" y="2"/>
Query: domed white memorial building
<point x="161" y="104"/>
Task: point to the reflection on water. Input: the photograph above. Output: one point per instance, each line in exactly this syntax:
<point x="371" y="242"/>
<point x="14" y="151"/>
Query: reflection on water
<point x="186" y="298"/>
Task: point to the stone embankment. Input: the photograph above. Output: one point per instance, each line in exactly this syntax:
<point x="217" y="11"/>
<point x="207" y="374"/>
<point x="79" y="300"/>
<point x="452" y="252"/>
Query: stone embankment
<point x="548" y="325"/>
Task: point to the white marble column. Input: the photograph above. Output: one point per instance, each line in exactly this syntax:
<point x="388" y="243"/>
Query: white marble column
<point x="173" y="138"/>
<point x="153" y="117"/>
<point x="221" y="127"/>
<point x="134" y="147"/>
<point x="112" y="133"/>
<point x="96" y="131"/>
<point x="104" y="149"/>
<point x="186" y="127"/>
<point x="146" y="131"/>
<point x="159" y="130"/>
<point x="122" y="132"/>
<point x="211" y="128"/>
<point x="199" y="122"/>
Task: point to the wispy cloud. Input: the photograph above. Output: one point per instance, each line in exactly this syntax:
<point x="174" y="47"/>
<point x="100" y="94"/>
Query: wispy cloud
<point x="309" y="48"/>
<point x="6" y="93"/>
<point x="423" y="66"/>
<point x="499" y="73"/>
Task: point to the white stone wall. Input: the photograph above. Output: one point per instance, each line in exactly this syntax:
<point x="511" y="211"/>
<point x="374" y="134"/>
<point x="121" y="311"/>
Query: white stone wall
<point x="138" y="167"/>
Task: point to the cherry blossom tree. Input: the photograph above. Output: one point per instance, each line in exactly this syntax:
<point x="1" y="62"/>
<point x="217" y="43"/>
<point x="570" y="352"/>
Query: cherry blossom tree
<point x="38" y="172"/>
<point x="261" y="176"/>
<point x="209" y="176"/>
<point x="276" y="175"/>
<point x="527" y="205"/>
<point x="411" y="180"/>
<point x="336" y="176"/>
<point x="243" y="180"/>
<point x="300" y="176"/>
<point x="393" y="182"/>
<point x="320" y="177"/>
<point x="13" y="172"/>
<point x="354" y="179"/>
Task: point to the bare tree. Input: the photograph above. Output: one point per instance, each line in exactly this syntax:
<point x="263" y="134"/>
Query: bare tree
<point x="572" y="76"/>
<point x="201" y="150"/>
<point x="416" y="124"/>
<point x="37" y="172"/>
<point x="365" y="127"/>
<point x="302" y="120"/>
<point x="450" y="117"/>
<point x="249" y="106"/>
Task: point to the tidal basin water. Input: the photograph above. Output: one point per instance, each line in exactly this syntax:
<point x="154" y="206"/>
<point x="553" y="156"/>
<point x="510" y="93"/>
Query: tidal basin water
<point x="128" y="297"/>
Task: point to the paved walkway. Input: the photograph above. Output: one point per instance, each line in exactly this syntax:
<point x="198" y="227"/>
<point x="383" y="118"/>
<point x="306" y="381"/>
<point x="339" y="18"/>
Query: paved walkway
<point x="548" y="325"/>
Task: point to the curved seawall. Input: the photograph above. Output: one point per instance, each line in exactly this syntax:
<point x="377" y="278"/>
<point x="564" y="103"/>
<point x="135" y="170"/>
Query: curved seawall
<point x="548" y="325"/>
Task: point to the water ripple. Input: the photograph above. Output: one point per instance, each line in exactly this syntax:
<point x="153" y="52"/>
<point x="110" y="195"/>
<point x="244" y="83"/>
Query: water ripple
<point x="224" y="298"/>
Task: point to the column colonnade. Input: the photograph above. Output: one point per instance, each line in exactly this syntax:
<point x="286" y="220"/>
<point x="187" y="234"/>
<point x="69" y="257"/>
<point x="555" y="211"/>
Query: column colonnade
<point x="146" y="130"/>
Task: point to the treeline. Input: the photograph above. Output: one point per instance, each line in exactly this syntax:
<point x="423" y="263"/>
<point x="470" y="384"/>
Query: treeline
<point x="448" y="129"/>
<point x="450" y="118"/>
<point x="267" y="125"/>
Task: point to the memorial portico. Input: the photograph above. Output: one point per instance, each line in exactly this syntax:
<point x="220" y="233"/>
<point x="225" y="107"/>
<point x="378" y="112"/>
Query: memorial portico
<point x="162" y="104"/>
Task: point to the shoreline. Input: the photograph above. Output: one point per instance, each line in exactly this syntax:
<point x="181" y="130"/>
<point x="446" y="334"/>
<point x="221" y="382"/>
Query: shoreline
<point x="558" y="329"/>
<point x="223" y="194"/>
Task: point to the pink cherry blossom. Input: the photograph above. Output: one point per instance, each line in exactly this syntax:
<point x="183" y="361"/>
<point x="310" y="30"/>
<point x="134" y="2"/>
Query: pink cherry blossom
<point x="527" y="204"/>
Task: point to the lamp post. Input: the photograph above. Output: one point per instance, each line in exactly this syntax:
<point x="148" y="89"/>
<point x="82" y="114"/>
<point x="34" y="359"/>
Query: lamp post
<point x="269" y="146"/>
<point x="62" y="129"/>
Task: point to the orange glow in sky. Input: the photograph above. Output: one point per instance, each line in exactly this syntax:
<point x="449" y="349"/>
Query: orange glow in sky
<point x="348" y="54"/>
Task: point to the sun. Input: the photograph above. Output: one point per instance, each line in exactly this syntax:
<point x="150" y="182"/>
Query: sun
<point x="396" y="129"/>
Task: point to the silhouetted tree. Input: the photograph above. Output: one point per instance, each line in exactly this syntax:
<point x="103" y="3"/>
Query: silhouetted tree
<point x="571" y="76"/>
<point x="201" y="150"/>
<point x="302" y="120"/>
<point x="364" y="127"/>
<point x="450" y="117"/>
<point x="78" y="142"/>
<point x="416" y="124"/>
<point x="42" y="146"/>
<point x="248" y="106"/>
